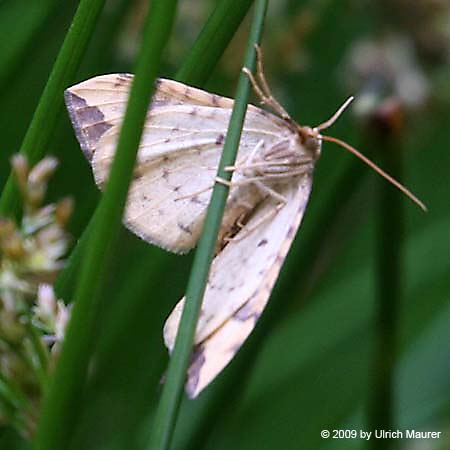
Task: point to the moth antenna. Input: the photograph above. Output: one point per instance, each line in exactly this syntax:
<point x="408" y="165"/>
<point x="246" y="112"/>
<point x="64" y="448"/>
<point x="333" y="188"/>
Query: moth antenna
<point x="377" y="169"/>
<point x="335" y="116"/>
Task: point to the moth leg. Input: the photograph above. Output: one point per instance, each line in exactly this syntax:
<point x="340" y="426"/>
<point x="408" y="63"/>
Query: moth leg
<point x="247" y="161"/>
<point x="265" y="86"/>
<point x="230" y="184"/>
<point x="250" y="180"/>
<point x="273" y="169"/>
<point x="264" y="176"/>
<point x="246" y="230"/>
<point x="242" y="182"/>
<point x="264" y="98"/>
<point x="248" y="206"/>
<point x="201" y="191"/>
<point x="239" y="221"/>
<point x="262" y="164"/>
<point x="220" y="180"/>
<point x="237" y="164"/>
<point x="272" y="192"/>
<point x="261" y="86"/>
<point x="251" y="156"/>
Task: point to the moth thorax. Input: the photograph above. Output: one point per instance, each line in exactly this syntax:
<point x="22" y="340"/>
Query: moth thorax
<point x="281" y="158"/>
<point x="310" y="140"/>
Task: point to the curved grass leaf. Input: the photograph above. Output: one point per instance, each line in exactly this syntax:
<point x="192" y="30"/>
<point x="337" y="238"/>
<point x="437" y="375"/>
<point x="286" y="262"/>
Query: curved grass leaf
<point x="39" y="132"/>
<point x="63" y="400"/>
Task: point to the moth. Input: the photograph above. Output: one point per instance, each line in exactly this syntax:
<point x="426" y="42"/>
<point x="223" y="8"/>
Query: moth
<point x="175" y="170"/>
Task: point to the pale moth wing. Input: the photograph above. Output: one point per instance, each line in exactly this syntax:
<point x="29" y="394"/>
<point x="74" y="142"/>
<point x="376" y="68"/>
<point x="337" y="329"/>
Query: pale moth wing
<point x="241" y="278"/>
<point x="176" y="167"/>
<point x="178" y="154"/>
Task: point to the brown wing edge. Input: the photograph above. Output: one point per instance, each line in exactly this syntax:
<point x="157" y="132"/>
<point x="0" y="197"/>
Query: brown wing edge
<point x="82" y="114"/>
<point x="87" y="140"/>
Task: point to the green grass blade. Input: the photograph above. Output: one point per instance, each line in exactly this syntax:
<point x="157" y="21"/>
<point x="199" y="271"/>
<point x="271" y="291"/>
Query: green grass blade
<point x="168" y="407"/>
<point x="14" y="40"/>
<point x="12" y="396"/>
<point x="47" y="112"/>
<point x="66" y="281"/>
<point x="62" y="403"/>
<point x="212" y="41"/>
<point x="389" y="277"/>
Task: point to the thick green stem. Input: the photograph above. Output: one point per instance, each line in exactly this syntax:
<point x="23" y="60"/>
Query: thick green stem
<point x="212" y="41"/>
<point x="41" y="128"/>
<point x="63" y="401"/>
<point x="389" y="291"/>
<point x="167" y="411"/>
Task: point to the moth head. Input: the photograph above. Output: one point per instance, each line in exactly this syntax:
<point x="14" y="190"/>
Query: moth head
<point x="311" y="139"/>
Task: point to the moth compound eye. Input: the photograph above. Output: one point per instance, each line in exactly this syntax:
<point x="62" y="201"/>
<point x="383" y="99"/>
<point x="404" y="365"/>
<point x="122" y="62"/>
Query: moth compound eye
<point x="309" y="138"/>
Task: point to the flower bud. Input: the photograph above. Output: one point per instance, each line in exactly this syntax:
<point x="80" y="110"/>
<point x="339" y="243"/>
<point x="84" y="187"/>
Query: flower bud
<point x="63" y="211"/>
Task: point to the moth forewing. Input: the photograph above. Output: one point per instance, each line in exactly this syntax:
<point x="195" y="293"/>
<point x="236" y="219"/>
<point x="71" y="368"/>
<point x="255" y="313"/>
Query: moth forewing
<point x="178" y="154"/>
<point x="95" y="106"/>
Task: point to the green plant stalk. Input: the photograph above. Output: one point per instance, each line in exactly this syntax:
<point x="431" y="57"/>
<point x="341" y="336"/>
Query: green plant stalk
<point x="27" y="357"/>
<point x="167" y="411"/>
<point x="108" y="36"/>
<point x="210" y="44"/>
<point x="13" y="395"/>
<point x="47" y="112"/>
<point x="12" y="416"/>
<point x="13" y="55"/>
<point x="42" y="363"/>
<point x="389" y="291"/>
<point x="295" y="276"/>
<point x="16" y="406"/>
<point x="62" y="403"/>
<point x="65" y="283"/>
<point x="212" y="41"/>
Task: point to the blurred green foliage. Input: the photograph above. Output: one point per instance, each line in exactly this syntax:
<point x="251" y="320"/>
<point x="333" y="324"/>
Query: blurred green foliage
<point x="309" y="365"/>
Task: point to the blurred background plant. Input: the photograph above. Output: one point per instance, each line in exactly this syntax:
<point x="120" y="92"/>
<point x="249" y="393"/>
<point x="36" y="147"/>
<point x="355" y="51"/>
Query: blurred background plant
<point x="32" y="321"/>
<point x="356" y="334"/>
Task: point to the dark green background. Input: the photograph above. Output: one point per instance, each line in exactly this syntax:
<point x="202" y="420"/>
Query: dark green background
<point x="310" y="365"/>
